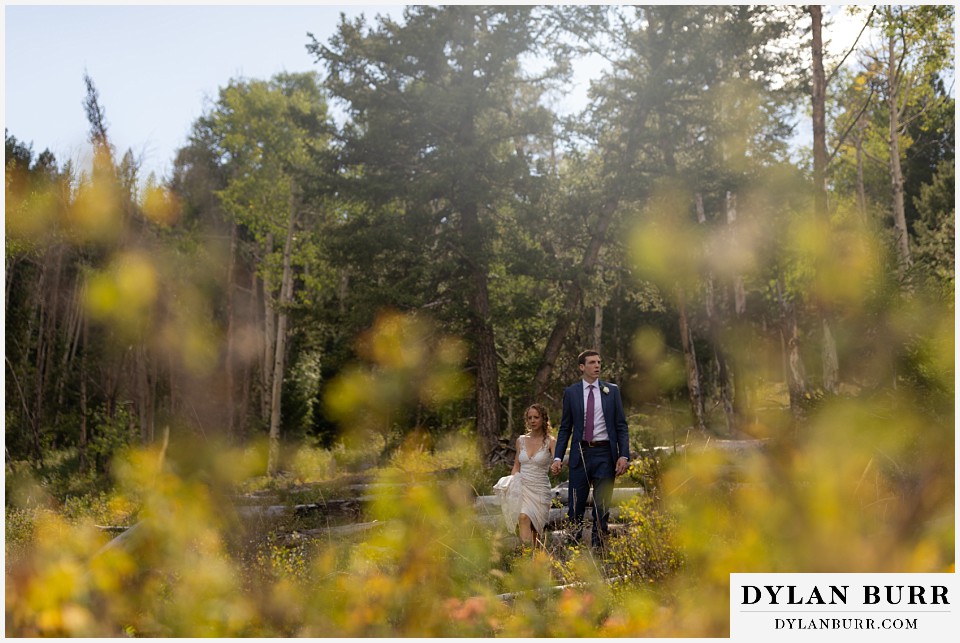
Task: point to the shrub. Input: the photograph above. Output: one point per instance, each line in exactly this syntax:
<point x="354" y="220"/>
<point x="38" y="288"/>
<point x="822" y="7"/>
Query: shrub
<point x="647" y="550"/>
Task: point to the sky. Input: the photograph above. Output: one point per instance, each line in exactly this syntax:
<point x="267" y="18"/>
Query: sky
<point x="158" y="67"/>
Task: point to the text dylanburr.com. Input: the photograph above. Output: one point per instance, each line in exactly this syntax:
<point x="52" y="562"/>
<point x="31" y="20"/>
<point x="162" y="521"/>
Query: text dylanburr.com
<point x="844" y="607"/>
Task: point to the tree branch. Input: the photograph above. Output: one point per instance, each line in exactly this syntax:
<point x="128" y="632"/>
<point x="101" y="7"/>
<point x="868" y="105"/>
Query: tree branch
<point x="853" y="122"/>
<point x="852" y="47"/>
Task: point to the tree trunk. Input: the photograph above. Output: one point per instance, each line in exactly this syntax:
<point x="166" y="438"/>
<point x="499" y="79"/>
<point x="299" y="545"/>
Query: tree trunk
<point x="247" y="387"/>
<point x="37" y="348"/>
<point x="230" y="364"/>
<point x="11" y="265"/>
<point x="819" y="116"/>
<point x="554" y="343"/>
<point x="51" y="326"/>
<point x="286" y="292"/>
<point x="726" y="382"/>
<point x="246" y="384"/>
<point x="739" y="291"/>
<point x="690" y="363"/>
<point x="861" y="188"/>
<point x="828" y="347"/>
<point x="709" y="299"/>
<point x="84" y="433"/>
<point x="727" y="367"/>
<point x="269" y="335"/>
<point x="343" y="291"/>
<point x="111" y="374"/>
<point x="174" y="392"/>
<point x="896" y="171"/>
<point x="831" y="366"/>
<point x="796" y="373"/>
<point x="597" y="325"/>
<point x="72" y="333"/>
<point x="144" y="397"/>
<point x="487" y="390"/>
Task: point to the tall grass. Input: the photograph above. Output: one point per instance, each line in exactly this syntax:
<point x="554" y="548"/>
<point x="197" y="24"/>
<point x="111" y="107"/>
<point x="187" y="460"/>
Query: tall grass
<point x="865" y="484"/>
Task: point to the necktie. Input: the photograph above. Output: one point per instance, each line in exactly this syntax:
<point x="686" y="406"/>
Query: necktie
<point x="588" y="423"/>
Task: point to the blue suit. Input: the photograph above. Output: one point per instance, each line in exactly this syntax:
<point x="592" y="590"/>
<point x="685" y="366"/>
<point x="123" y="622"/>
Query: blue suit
<point x="592" y="465"/>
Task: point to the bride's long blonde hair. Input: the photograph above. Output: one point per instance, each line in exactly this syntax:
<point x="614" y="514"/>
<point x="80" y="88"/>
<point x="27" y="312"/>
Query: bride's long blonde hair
<point x="545" y="424"/>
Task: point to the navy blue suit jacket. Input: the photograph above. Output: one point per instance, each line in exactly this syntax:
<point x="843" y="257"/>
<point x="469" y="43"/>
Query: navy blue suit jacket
<point x="571" y="422"/>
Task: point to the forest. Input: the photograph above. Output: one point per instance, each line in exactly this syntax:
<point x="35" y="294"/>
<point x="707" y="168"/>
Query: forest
<point x="265" y="395"/>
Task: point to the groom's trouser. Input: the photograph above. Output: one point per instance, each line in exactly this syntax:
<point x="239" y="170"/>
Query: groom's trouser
<point x="595" y="469"/>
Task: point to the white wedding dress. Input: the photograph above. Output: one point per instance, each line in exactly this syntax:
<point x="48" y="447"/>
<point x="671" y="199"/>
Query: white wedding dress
<point x="528" y="492"/>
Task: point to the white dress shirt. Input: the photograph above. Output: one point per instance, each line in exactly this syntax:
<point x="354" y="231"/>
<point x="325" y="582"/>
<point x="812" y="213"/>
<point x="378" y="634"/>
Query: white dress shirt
<point x="599" y="423"/>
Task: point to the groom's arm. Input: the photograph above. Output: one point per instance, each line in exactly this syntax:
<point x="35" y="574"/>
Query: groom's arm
<point x="623" y="436"/>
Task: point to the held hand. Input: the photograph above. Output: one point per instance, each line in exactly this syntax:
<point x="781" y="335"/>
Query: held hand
<point x="555" y="467"/>
<point x="622" y="466"/>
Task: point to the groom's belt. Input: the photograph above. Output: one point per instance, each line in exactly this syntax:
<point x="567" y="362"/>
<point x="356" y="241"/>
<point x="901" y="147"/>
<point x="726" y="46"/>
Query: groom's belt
<point x="594" y="443"/>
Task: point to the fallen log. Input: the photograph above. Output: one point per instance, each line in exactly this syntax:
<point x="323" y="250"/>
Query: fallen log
<point x="347" y="505"/>
<point x="562" y="535"/>
<point x="732" y="446"/>
<point x="620" y="494"/>
<point x="341" y="530"/>
<point x="509" y="597"/>
<point x="263" y="511"/>
<point x="555" y="517"/>
<point x="120" y="540"/>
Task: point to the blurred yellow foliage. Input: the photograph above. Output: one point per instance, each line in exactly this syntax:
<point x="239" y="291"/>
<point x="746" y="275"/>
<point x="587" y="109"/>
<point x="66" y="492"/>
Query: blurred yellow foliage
<point x="846" y="259"/>
<point x="409" y="363"/>
<point x="160" y="205"/>
<point x="95" y="215"/>
<point x="862" y="485"/>
<point x="124" y="293"/>
<point x="31" y="218"/>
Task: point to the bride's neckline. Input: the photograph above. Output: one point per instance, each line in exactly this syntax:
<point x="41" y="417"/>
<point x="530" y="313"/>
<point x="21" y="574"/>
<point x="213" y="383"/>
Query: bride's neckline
<point x="530" y="456"/>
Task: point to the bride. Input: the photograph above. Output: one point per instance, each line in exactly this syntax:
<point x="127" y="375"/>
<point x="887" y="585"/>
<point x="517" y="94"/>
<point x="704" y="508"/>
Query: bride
<point x="527" y="499"/>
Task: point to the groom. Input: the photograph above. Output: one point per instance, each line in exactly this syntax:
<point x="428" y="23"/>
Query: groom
<point x="593" y="414"/>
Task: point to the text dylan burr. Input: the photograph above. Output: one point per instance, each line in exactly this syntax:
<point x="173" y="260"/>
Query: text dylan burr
<point x="838" y="594"/>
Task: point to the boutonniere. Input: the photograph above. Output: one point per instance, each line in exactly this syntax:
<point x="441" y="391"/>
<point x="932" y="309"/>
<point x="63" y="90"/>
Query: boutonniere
<point x="605" y="390"/>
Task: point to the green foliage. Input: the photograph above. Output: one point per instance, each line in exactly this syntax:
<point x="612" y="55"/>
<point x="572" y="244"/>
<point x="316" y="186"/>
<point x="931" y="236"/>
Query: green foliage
<point x="18" y="533"/>
<point x="481" y="478"/>
<point x="264" y="133"/>
<point x="311" y="464"/>
<point x="936" y="229"/>
<point x="282" y="562"/>
<point x="112" y="432"/>
<point x="100" y="507"/>
<point x="648" y="551"/>
<point x="645" y="470"/>
<point x="908" y="68"/>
